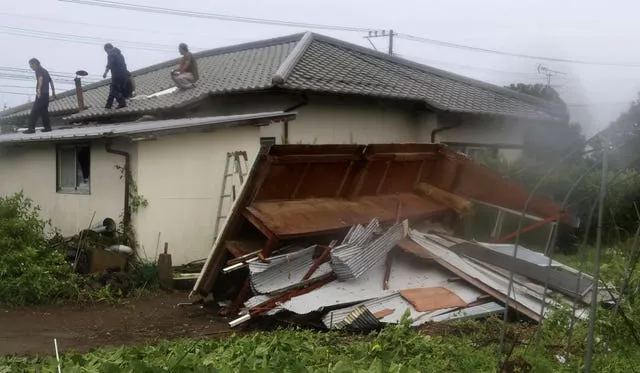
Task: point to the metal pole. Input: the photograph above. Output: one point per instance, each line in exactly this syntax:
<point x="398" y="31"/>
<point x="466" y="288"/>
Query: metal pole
<point x="549" y="252"/>
<point x="596" y="264"/>
<point x="391" y="34"/>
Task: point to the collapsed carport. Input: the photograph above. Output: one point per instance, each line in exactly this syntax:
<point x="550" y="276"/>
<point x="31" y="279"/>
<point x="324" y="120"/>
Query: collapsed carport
<point x="307" y="197"/>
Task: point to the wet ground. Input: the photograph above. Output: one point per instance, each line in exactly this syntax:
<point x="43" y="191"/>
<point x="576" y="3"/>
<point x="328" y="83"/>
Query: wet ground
<point x="30" y="331"/>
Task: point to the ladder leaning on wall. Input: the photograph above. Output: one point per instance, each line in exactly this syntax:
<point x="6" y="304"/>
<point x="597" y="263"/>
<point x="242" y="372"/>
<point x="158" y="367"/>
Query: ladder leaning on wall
<point x="236" y="166"/>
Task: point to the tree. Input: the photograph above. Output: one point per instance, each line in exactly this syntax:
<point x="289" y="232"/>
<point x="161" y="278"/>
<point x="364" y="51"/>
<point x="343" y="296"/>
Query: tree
<point x="548" y="142"/>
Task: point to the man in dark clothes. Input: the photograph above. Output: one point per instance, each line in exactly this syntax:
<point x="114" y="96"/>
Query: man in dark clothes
<point x="119" y="76"/>
<point x="40" y="107"/>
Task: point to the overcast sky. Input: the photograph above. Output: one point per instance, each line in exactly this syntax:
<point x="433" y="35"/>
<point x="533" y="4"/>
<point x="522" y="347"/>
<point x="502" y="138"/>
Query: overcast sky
<point x="603" y="31"/>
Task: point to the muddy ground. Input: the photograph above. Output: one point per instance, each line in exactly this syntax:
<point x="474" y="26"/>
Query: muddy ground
<point x="30" y="331"/>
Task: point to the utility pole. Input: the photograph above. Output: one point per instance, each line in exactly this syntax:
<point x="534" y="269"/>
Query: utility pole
<point x="382" y="34"/>
<point x="548" y="73"/>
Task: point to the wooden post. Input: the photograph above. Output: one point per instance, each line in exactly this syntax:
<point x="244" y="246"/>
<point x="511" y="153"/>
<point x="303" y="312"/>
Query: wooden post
<point x="165" y="270"/>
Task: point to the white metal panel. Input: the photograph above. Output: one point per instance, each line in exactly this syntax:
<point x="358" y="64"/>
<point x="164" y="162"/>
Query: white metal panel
<point x="406" y="273"/>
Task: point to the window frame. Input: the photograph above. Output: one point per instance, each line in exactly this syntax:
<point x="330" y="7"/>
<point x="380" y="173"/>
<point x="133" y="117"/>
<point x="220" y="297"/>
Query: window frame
<point x="84" y="190"/>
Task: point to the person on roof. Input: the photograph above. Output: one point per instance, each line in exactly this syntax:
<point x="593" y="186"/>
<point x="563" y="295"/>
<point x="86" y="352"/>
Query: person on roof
<point x="119" y="76"/>
<point x="40" y="107"/>
<point x="129" y="87"/>
<point x="187" y="72"/>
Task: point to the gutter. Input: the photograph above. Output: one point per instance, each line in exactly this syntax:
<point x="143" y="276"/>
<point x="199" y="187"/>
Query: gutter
<point x="438" y="130"/>
<point x="305" y="101"/>
<point x="126" y="218"/>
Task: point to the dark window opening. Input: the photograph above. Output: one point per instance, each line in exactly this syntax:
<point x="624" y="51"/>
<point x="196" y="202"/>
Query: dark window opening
<point x="74" y="169"/>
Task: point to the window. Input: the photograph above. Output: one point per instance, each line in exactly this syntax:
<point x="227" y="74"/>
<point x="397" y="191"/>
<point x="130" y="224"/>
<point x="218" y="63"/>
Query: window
<point x="74" y="169"/>
<point x="477" y="152"/>
<point x="266" y="142"/>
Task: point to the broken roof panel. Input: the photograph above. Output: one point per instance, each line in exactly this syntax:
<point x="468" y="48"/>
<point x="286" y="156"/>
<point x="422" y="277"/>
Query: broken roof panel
<point x="310" y="63"/>
<point x="523" y="253"/>
<point x="285" y="272"/>
<point x="406" y="273"/>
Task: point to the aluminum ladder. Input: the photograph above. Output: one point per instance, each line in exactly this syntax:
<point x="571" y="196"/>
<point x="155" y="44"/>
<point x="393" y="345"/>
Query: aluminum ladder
<point x="238" y="162"/>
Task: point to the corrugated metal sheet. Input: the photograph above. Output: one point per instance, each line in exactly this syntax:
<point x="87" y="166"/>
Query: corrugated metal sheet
<point x="353" y="261"/>
<point x="285" y="272"/>
<point x="359" y="235"/>
<point x="291" y="252"/>
<point x="338" y="318"/>
<point x="360" y="318"/>
<point x="87" y="132"/>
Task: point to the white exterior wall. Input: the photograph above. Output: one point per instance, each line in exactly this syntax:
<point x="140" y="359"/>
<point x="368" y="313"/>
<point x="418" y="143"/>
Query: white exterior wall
<point x="181" y="178"/>
<point x="486" y="131"/>
<point x="343" y="123"/>
<point x="32" y="169"/>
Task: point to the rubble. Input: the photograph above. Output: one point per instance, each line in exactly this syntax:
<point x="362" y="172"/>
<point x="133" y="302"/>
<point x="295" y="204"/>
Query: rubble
<point x="395" y="210"/>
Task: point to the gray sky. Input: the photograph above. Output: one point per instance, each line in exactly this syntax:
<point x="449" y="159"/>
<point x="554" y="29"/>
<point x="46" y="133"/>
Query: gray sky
<point x="578" y="30"/>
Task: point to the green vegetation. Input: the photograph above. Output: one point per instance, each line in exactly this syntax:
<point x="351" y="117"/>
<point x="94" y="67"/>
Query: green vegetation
<point x="468" y="346"/>
<point x="34" y="272"/>
<point x="459" y="347"/>
<point x="30" y="272"/>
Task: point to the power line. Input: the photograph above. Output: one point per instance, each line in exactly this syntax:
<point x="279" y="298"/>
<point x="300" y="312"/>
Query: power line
<point x="16" y="93"/>
<point x="37" y="34"/>
<point x="510" y="54"/>
<point x="220" y="17"/>
<point x="231" y="18"/>
<point x="121" y="28"/>
<point x="464" y="66"/>
<point x="53" y="73"/>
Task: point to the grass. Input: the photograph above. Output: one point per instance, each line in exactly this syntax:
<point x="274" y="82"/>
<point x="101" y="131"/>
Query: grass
<point x="469" y="346"/>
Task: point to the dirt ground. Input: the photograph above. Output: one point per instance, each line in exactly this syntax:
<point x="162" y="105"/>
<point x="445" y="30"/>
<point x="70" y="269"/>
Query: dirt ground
<point x="30" y="331"/>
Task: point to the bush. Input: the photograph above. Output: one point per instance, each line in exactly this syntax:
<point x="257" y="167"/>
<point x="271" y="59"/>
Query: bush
<point x="30" y="272"/>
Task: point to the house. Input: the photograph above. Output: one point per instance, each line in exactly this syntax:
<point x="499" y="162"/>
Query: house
<point x="247" y="96"/>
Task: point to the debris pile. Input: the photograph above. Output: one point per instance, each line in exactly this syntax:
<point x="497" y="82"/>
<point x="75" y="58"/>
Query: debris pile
<point x="356" y="236"/>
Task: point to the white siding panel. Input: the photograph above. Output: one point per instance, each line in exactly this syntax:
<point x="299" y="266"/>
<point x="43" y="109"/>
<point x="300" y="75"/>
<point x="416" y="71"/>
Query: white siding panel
<point x="181" y="176"/>
<point x="357" y="124"/>
<point x="32" y="169"/>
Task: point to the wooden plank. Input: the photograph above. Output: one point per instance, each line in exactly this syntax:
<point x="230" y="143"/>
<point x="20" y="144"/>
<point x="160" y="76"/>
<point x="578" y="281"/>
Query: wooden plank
<point x="384" y="313"/>
<point x="314" y="158"/>
<point x="242" y="248"/>
<point x="558" y="280"/>
<point x="456" y="203"/>
<point x="402" y="157"/>
<point x="288" y="219"/>
<point x="432" y="299"/>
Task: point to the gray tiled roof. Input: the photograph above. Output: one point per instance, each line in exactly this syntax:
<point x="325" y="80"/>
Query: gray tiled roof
<point x="333" y="68"/>
<point x="306" y="62"/>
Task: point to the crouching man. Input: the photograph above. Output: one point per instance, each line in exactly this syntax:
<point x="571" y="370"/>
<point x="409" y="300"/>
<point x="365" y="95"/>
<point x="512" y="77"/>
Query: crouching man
<point x="187" y="72"/>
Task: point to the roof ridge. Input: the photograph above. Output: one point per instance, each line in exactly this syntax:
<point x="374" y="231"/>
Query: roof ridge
<point x="443" y="73"/>
<point x="287" y="66"/>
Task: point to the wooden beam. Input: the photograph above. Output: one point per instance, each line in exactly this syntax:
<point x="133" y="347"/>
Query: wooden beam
<point x="313" y="158"/>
